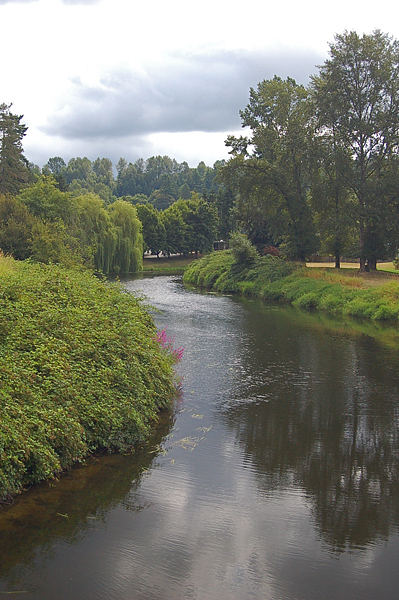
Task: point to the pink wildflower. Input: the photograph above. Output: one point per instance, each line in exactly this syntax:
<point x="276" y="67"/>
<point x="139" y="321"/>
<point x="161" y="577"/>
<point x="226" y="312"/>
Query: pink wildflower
<point x="167" y="344"/>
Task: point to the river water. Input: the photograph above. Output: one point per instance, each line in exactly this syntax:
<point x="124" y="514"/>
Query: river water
<point x="275" y="479"/>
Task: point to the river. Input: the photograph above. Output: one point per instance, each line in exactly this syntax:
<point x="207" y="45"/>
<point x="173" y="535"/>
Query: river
<point x="276" y="478"/>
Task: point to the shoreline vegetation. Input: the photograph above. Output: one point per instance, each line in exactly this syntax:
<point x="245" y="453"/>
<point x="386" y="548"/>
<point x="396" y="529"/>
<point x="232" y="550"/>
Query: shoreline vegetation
<point x="174" y="264"/>
<point x="339" y="293"/>
<point x="82" y="369"/>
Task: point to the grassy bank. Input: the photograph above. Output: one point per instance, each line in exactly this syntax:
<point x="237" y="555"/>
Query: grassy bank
<point x="372" y="296"/>
<point x="80" y="371"/>
<point x="164" y="264"/>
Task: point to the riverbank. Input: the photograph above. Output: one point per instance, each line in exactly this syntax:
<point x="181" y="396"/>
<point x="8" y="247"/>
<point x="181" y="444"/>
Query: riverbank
<point x="337" y="292"/>
<point x="175" y="264"/>
<point x="81" y="371"/>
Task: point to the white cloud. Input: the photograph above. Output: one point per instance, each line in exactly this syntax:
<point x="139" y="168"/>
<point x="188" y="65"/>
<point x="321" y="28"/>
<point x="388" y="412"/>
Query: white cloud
<point x="95" y="74"/>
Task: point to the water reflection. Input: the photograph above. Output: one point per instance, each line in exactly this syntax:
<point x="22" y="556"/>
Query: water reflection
<point x="323" y="410"/>
<point x="277" y="481"/>
<point x="73" y="507"/>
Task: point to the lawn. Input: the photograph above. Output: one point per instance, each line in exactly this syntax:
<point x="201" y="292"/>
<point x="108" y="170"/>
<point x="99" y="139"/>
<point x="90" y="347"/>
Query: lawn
<point x="168" y="264"/>
<point x="349" y="274"/>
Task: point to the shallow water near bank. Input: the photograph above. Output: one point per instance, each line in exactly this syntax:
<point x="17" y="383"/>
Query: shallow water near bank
<point x="276" y="479"/>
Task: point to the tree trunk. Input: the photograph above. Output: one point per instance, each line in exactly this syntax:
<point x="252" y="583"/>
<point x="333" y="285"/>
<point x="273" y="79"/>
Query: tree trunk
<point x="371" y="264"/>
<point x="363" y="264"/>
<point x="361" y="248"/>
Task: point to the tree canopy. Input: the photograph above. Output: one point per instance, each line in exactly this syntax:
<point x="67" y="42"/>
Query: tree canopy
<point x="273" y="163"/>
<point x="357" y="103"/>
<point x="320" y="164"/>
<point x="14" y="171"/>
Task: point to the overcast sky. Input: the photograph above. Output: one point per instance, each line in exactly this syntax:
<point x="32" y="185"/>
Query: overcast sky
<point x="114" y="78"/>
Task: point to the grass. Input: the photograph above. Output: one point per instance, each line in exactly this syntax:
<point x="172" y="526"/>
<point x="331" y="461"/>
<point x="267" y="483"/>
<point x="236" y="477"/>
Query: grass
<point x="343" y="292"/>
<point x="172" y="264"/>
<point x="351" y="276"/>
<point x="6" y="264"/>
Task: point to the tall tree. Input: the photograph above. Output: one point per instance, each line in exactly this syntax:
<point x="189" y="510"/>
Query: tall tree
<point x="55" y="165"/>
<point x="202" y="220"/>
<point x="332" y="201"/>
<point x="15" y="227"/>
<point x="79" y="169"/>
<point x="357" y="97"/>
<point x="276" y="172"/>
<point x="154" y="233"/>
<point x="14" y="171"/>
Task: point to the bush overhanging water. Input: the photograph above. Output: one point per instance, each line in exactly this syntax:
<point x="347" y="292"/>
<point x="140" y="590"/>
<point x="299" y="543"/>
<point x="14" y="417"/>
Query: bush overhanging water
<point x="81" y="369"/>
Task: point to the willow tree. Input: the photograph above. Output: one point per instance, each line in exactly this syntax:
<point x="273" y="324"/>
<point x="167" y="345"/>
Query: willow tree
<point x="96" y="230"/>
<point x="357" y="99"/>
<point x="128" y="256"/>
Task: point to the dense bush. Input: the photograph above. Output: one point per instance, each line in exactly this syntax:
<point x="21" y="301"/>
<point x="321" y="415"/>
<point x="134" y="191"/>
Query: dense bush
<point x="243" y="251"/>
<point x="80" y="370"/>
<point x="238" y="270"/>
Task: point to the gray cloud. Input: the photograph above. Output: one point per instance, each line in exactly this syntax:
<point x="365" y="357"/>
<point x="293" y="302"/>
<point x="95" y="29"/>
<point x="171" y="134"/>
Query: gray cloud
<point x="188" y="93"/>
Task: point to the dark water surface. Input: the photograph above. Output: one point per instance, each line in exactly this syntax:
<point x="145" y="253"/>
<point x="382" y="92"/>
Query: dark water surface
<point x="277" y="479"/>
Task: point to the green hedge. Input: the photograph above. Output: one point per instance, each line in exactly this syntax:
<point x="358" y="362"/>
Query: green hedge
<point x="80" y="371"/>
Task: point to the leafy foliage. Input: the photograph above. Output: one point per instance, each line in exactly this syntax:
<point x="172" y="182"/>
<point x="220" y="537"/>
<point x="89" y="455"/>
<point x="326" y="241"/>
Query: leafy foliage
<point x="14" y="172"/>
<point x="243" y="251"/>
<point x="154" y="232"/>
<point x="275" y="174"/>
<point x="357" y="97"/>
<point x="52" y="226"/>
<point x="190" y="225"/>
<point x="320" y="165"/>
<point x="80" y="370"/>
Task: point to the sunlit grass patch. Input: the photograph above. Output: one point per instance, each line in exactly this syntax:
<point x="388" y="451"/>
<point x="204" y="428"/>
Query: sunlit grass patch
<point x="7" y="264"/>
<point x="342" y="277"/>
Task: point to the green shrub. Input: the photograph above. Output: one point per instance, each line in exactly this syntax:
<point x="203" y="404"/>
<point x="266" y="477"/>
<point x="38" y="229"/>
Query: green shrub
<point x="307" y="301"/>
<point x="80" y="371"/>
<point x="332" y="303"/>
<point x="386" y="312"/>
<point x="243" y="251"/>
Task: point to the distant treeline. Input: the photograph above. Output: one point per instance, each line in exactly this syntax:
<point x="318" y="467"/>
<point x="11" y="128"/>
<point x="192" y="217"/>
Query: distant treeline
<point x="53" y="226"/>
<point x="159" y="180"/>
<point x="80" y="214"/>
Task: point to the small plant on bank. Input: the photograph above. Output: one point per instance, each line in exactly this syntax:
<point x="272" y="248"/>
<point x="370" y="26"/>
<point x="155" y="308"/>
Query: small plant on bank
<point x="167" y="344"/>
<point x="245" y="254"/>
